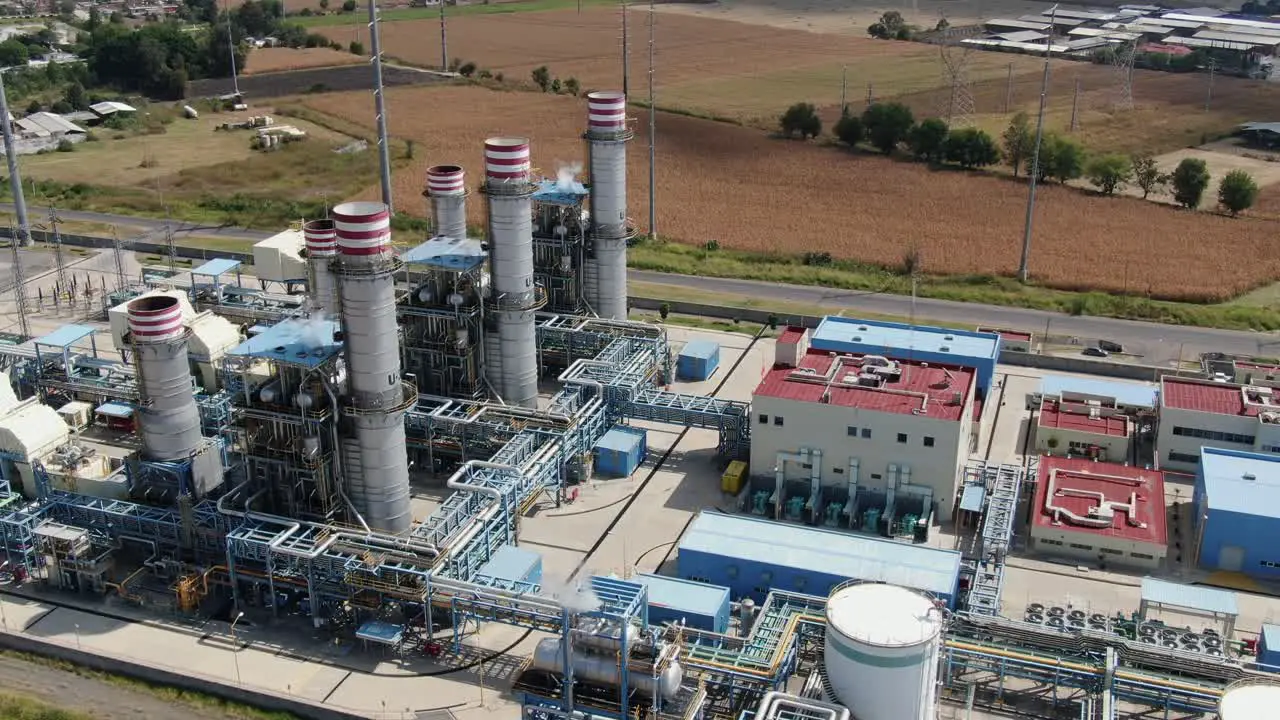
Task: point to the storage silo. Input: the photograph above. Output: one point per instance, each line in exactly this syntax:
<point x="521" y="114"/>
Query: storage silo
<point x="882" y="648"/>
<point x="1252" y="699"/>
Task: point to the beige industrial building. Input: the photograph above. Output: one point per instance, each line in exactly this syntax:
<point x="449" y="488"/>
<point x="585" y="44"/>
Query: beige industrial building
<point x="1092" y="429"/>
<point x="827" y="422"/>
<point x="1202" y="413"/>
<point x="1100" y="512"/>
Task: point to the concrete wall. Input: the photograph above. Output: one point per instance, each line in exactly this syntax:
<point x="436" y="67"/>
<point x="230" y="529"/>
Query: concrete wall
<point x="33" y="145"/>
<point x="173" y="678"/>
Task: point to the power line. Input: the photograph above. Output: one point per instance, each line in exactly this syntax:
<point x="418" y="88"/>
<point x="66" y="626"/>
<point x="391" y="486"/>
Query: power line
<point x="1024" y="266"/>
<point x="653" y="164"/>
<point x="955" y="67"/>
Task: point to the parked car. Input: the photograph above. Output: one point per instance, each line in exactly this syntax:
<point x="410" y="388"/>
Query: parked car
<point x="1095" y="352"/>
<point x="1109" y="346"/>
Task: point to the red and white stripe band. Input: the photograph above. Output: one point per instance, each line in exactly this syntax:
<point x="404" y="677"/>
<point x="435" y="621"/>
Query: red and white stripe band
<point x="507" y="158"/>
<point x="606" y="109"/>
<point x="155" y="318"/>
<point x="321" y="237"/>
<point x="363" y="228"/>
<point x="443" y="179"/>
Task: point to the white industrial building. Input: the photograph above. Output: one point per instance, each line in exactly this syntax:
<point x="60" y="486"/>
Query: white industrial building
<point x="828" y="422"/>
<point x="1199" y="413"/>
<point x="1094" y="429"/>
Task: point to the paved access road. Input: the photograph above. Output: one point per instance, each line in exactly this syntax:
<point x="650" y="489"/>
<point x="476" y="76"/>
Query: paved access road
<point x="1155" y="343"/>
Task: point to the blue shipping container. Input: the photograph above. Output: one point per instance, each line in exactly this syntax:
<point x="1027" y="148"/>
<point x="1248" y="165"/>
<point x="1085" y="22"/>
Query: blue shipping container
<point x="1269" y="648"/>
<point x="620" y="451"/>
<point x="515" y="564"/>
<point x="698" y="360"/>
<point x="698" y="605"/>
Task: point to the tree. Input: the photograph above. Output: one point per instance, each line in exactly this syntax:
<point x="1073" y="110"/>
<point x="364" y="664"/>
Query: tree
<point x="887" y="124"/>
<point x="1146" y="174"/>
<point x="356" y="47"/>
<point x="94" y="21"/>
<point x="349" y="6"/>
<point x="849" y="129"/>
<point x="467" y="69"/>
<point x="1189" y="180"/>
<point x="971" y="148"/>
<point x="927" y="138"/>
<point x="889" y="26"/>
<point x="1017" y="142"/>
<point x="1109" y="173"/>
<point x="1061" y="158"/>
<point x="76" y="97"/>
<point x="801" y="118"/>
<point x="34" y="107"/>
<point x="324" y="4"/>
<point x="572" y="86"/>
<point x="13" y="52"/>
<point x="1237" y="192"/>
<point x="541" y="77"/>
<point x="664" y="310"/>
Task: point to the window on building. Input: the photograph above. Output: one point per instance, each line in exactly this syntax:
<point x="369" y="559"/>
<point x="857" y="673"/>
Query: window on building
<point x="928" y="441"/>
<point x="764" y="419"/>
<point x="866" y="433"/>
<point x="902" y="437"/>
<point x="777" y="420"/>
<point x="1111" y="551"/>
<point x="1271" y="448"/>
<point x="875" y="476"/>
<point x="1142" y="556"/>
<point x="699" y="578"/>
<point x="1183" y="457"/>
<point x="1237" y="438"/>
<point x="1078" y="546"/>
<point x="1269" y="564"/>
<point x="1047" y="541"/>
<point x="838" y="470"/>
<point x="851" y="431"/>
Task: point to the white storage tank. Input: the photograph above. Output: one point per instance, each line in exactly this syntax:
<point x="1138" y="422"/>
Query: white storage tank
<point x="1249" y="700"/>
<point x="882" y="651"/>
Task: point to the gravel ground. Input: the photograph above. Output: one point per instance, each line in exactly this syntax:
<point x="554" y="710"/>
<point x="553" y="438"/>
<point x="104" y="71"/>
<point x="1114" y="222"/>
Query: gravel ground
<point x="102" y="700"/>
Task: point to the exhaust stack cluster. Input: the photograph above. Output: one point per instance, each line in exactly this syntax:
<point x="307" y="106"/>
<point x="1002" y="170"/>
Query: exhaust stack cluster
<point x="168" y="416"/>
<point x="607" y="136"/>
<point x="376" y="463"/>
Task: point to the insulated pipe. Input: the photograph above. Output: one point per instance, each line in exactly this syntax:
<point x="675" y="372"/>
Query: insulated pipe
<point x="777" y="697"/>
<point x="447" y="189"/>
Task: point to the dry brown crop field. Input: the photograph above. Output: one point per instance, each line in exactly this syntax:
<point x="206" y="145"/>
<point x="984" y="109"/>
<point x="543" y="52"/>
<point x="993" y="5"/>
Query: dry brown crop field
<point x="750" y="192"/>
<point x="704" y="65"/>
<point x="281" y="59"/>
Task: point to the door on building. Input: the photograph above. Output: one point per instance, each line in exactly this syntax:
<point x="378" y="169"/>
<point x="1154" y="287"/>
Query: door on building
<point x="1230" y="558"/>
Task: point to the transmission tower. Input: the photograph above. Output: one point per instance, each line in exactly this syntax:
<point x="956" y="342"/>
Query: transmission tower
<point x="59" y="259"/>
<point x="117" y="248"/>
<point x="1122" y="60"/>
<point x="955" y="57"/>
<point x="19" y="285"/>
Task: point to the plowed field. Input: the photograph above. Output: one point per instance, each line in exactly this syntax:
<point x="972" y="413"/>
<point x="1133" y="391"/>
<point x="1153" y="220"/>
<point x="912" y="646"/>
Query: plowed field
<point x="281" y="59"/>
<point x="750" y="192"/>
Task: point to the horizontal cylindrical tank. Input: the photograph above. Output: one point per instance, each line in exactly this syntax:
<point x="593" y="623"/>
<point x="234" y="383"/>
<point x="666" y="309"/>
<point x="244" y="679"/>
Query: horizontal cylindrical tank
<point x="1249" y="700"/>
<point x="604" y="670"/>
<point x="882" y="648"/>
<point x="322" y="247"/>
<point x="168" y="418"/>
<point x="447" y="188"/>
<point x="601" y="634"/>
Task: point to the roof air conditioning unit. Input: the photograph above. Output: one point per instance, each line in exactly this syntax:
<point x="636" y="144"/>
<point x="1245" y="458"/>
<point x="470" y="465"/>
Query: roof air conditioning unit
<point x="1250" y="477"/>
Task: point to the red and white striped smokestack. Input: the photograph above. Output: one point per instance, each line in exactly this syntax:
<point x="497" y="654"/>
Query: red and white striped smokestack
<point x="607" y="112"/>
<point x="447" y="188"/>
<point x="363" y="228"/>
<point x="321" y="237"/>
<point x="507" y="160"/>
<point x="155" y="319"/>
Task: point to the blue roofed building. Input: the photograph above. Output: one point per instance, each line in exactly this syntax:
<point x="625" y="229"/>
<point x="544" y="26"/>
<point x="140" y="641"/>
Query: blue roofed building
<point x="1237" y="512"/>
<point x="916" y="343"/>
<point x="752" y="556"/>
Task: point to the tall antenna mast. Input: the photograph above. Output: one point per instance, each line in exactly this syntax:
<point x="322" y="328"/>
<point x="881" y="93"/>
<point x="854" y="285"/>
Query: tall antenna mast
<point x="653" y="165"/>
<point x="626" y="53"/>
<point x="23" y="236"/>
<point x="384" y="146"/>
<point x="19" y="282"/>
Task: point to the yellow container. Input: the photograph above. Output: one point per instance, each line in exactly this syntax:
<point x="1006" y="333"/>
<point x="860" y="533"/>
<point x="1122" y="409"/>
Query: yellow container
<point x="734" y="476"/>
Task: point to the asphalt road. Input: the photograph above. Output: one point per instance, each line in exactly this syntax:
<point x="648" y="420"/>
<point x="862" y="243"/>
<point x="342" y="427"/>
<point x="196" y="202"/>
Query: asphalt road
<point x="1152" y="343"/>
<point x="39" y="216"/>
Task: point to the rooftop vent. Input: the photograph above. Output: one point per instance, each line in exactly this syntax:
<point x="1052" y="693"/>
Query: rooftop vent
<point x="862" y="328"/>
<point x="1250" y="477"/>
<point x="948" y="337"/>
<point x="945" y="348"/>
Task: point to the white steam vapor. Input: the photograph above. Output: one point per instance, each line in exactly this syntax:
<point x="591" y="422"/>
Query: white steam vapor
<point x="566" y="174"/>
<point x="574" y="597"/>
<point x="316" y="331"/>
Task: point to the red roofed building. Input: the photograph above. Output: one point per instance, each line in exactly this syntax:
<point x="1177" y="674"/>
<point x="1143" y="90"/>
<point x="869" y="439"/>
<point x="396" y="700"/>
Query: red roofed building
<point x="878" y="430"/>
<point x="1202" y="413"/>
<point x="1091" y="429"/>
<point x="1100" y="513"/>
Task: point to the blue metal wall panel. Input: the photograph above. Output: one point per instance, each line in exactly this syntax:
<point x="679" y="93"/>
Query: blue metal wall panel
<point x="699" y="605"/>
<point x="514" y="563"/>
<point x="1269" y="648"/>
<point x="620" y="451"/>
<point x="967" y="348"/>
<point x="1254" y="534"/>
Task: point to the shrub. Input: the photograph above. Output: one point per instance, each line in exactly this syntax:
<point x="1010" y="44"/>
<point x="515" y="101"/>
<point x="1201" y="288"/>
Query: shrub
<point x="65" y="145"/>
<point x="1109" y="173"/>
<point x="1189" y="180"/>
<point x="355" y="48"/>
<point x="849" y="129"/>
<point x="1237" y="192"/>
<point x="467" y="69"/>
<point x="927" y="138"/>
<point x="887" y="124"/>
<point x="541" y="77"/>
<point x="801" y="118"/>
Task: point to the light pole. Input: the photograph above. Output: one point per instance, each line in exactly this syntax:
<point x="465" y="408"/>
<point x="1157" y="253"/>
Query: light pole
<point x="1024" y="267"/>
<point x="235" y="646"/>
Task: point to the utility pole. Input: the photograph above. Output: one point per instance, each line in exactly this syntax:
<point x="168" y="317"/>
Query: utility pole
<point x="653" y="164"/>
<point x="384" y="145"/>
<point x="1008" y="90"/>
<point x="844" y="90"/>
<point x="626" y="53"/>
<point x="23" y="236"/>
<point x="1075" y="105"/>
<point x="231" y="49"/>
<point x="1213" y="65"/>
<point x="1024" y="266"/>
<point x="868" y="94"/>
<point x="444" y="41"/>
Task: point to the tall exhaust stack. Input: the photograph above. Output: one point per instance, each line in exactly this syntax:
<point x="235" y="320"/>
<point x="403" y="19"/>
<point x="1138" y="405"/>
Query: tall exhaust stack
<point x="168" y="417"/>
<point x="607" y="136"/>
<point x="322" y="247"/>
<point x="378" y="469"/>
<point x="513" y="370"/>
<point x="447" y="188"/>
